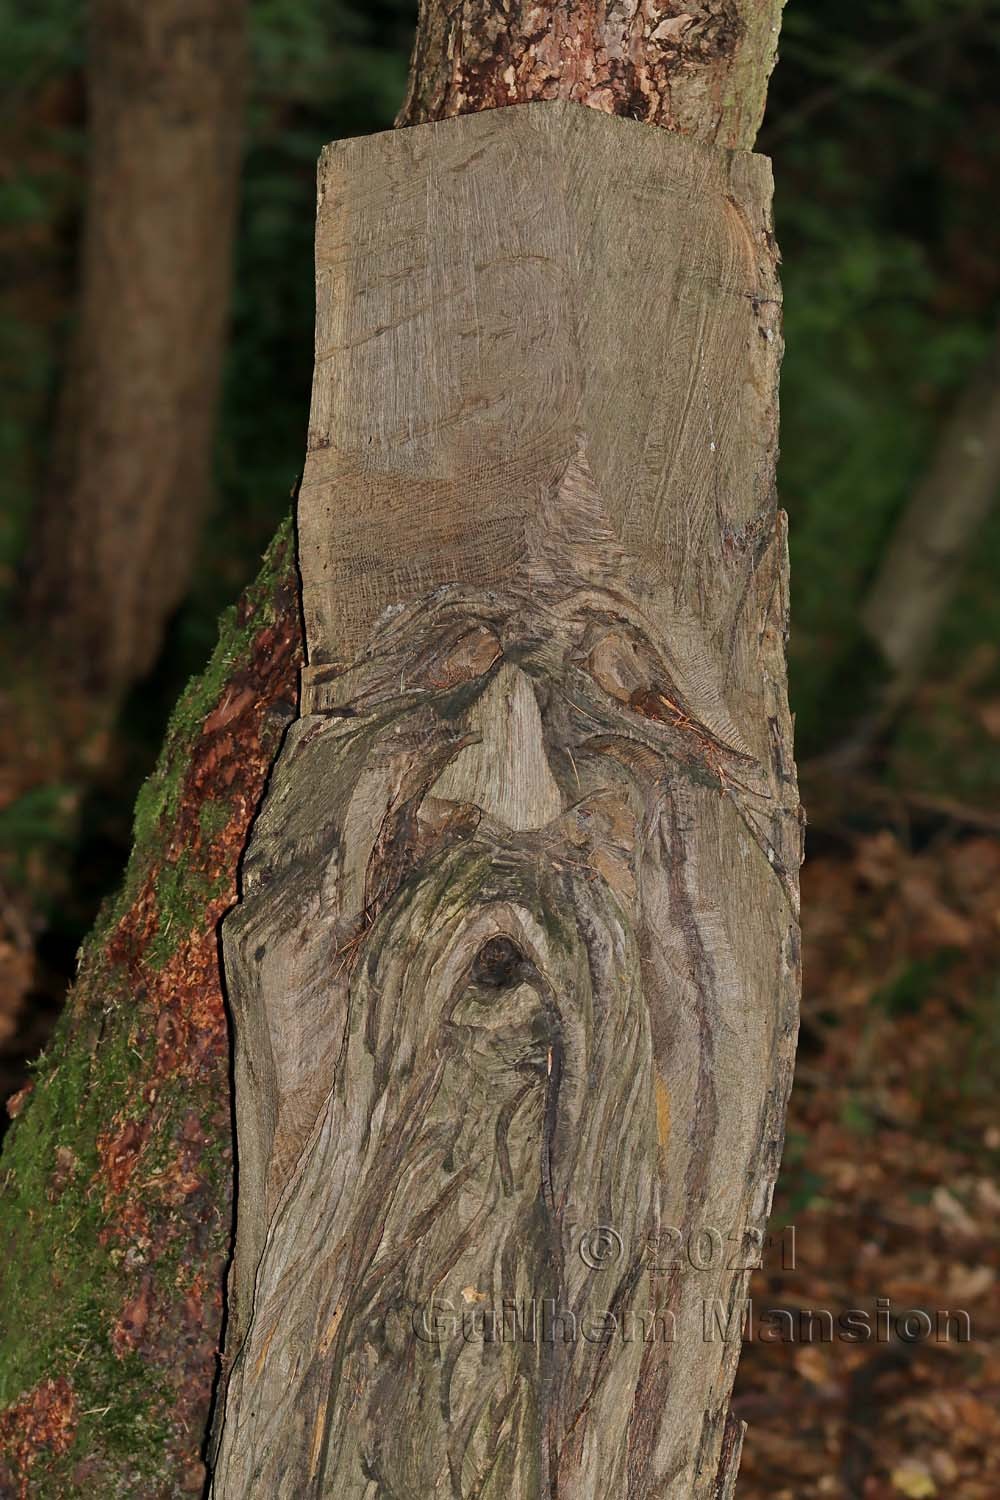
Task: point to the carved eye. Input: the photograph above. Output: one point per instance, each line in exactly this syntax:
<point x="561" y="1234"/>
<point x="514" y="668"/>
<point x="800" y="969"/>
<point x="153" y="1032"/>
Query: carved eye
<point x="460" y="660"/>
<point x="498" y="964"/>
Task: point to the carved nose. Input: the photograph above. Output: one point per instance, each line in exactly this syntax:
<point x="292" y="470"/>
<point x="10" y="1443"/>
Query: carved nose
<point x="505" y="771"/>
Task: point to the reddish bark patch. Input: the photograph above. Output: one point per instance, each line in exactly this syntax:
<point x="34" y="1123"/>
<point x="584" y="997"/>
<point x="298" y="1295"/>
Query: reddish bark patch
<point x="228" y="766"/>
<point x="17" y="1101"/>
<point x="164" y="1165"/>
<point x="119" y="1152"/>
<point x="666" y="62"/>
<point x="131" y="1326"/>
<point x="183" y="999"/>
<point x="42" y="1424"/>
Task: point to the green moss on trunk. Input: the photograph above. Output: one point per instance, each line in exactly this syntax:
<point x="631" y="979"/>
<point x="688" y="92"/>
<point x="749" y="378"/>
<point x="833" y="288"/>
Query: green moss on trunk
<point x="116" y="1175"/>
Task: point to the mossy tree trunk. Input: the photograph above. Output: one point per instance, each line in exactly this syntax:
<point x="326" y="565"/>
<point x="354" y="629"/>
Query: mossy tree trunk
<point x="117" y="1171"/>
<point x="117" y="1175"/>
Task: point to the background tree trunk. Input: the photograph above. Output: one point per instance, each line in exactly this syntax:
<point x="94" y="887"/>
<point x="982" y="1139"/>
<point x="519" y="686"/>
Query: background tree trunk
<point x="920" y="570"/>
<point x="118" y="522"/>
<point x="921" y="567"/>
<point x="117" y="1175"/>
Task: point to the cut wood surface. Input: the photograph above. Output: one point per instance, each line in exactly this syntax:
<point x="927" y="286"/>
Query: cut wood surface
<point x="514" y="973"/>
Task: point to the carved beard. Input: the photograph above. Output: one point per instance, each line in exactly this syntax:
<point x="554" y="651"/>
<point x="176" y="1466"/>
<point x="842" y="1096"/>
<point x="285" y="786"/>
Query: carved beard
<point x="461" y="1224"/>
<point x="469" y="1295"/>
<point x="455" y="1187"/>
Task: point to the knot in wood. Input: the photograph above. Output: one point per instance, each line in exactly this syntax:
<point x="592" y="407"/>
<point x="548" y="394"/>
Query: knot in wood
<point x="499" y="964"/>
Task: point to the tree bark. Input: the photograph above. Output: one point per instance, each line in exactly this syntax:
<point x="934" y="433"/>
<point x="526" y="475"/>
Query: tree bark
<point x="697" y="67"/>
<point x="117" y="1173"/>
<point x="118" y="523"/>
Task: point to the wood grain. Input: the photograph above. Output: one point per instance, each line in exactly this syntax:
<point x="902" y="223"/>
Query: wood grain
<point x="514" y="973"/>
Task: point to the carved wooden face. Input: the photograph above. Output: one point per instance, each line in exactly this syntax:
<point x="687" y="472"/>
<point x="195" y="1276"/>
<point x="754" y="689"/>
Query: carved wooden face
<point x="512" y="1016"/>
<point x="447" y="990"/>
<point x="469" y="990"/>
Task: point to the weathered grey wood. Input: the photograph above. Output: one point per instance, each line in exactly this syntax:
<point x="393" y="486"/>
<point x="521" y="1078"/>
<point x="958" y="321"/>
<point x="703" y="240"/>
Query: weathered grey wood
<point x="514" y="973"/>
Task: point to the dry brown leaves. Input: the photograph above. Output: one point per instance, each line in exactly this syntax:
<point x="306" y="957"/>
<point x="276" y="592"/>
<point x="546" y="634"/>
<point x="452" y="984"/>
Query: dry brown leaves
<point x="890" y="1180"/>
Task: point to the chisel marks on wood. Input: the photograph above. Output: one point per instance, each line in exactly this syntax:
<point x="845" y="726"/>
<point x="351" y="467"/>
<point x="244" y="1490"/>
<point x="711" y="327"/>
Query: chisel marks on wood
<point x="492" y="287"/>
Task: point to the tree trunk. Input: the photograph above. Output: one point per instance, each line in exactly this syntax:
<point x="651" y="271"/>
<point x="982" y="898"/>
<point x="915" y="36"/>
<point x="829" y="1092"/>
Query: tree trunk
<point x="117" y="1173"/>
<point x="922" y="564"/>
<point x="699" y="68"/>
<point x="513" y="978"/>
<point x="119" y="520"/>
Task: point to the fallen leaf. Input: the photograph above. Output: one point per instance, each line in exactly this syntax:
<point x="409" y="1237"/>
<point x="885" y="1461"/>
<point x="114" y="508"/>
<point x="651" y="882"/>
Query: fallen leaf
<point x="952" y="1212"/>
<point x="914" y="1479"/>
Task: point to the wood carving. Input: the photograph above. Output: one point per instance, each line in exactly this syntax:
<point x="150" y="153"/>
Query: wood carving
<point x="514" y="973"/>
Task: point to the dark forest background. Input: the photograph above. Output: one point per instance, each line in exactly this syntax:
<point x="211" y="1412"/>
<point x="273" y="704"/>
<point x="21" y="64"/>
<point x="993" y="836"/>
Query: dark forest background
<point x="884" y="127"/>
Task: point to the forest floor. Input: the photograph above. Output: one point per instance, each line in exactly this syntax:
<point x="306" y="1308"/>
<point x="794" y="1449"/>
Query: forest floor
<point x="888" y="1200"/>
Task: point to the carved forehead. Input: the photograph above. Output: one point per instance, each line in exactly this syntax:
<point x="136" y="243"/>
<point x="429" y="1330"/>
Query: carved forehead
<point x="538" y="280"/>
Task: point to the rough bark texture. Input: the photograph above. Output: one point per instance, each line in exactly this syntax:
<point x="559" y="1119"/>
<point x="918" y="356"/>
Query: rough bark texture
<point x="117" y="1173"/>
<point x="515" y="970"/>
<point x="698" y="67"/>
<point x="119" y="520"/>
<point x="922" y="565"/>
